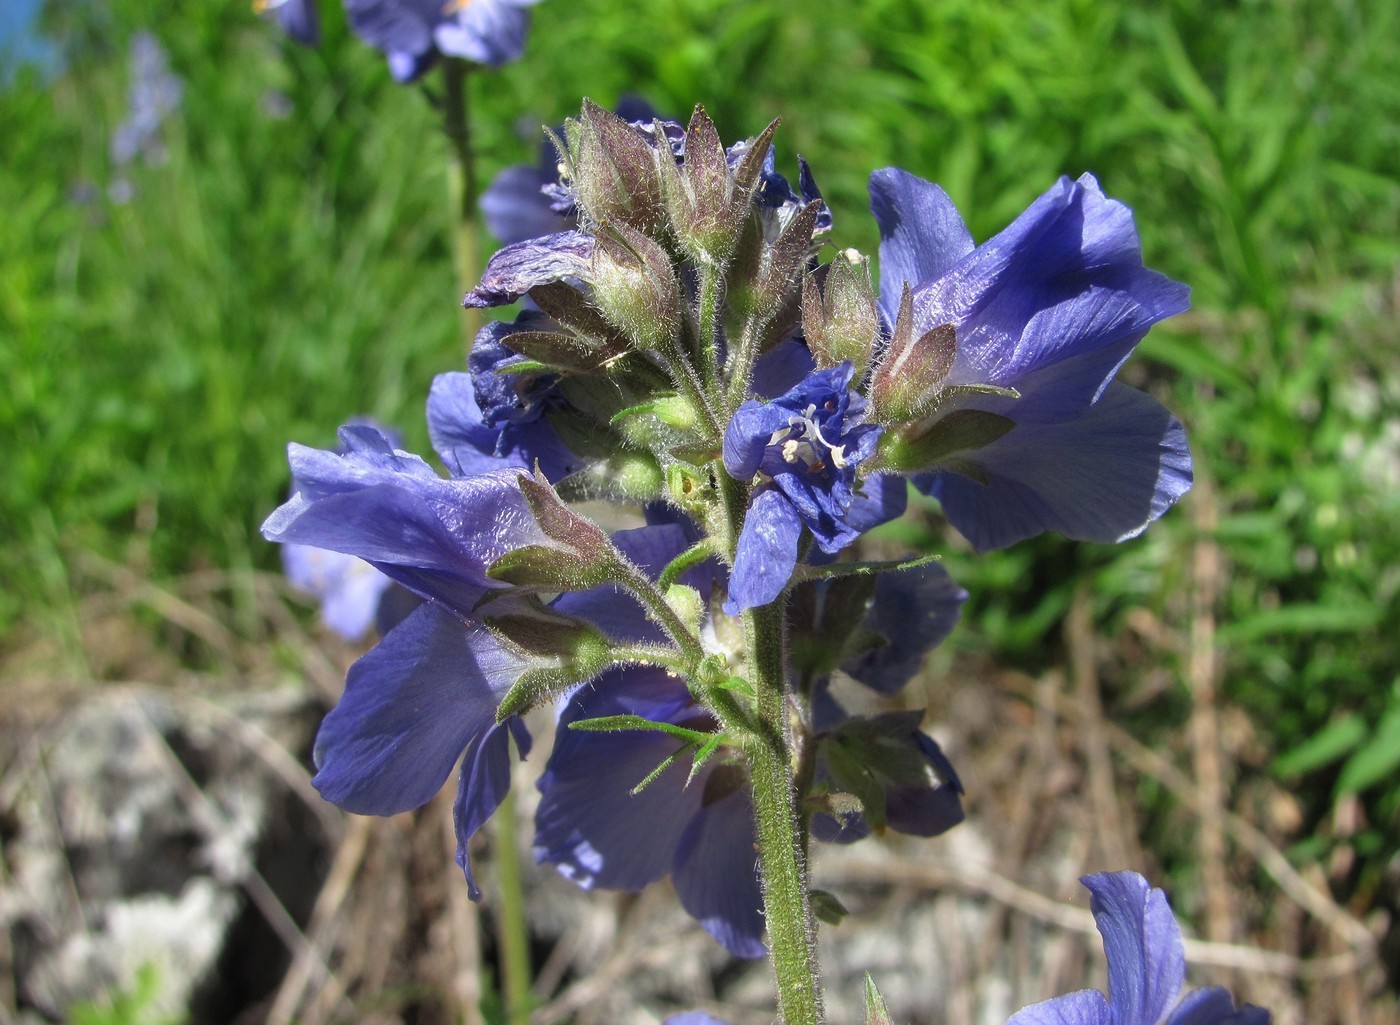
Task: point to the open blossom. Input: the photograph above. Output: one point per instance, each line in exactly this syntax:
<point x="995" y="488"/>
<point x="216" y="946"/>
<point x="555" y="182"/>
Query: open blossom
<point x="1047" y="309"/>
<point x="803" y="449"/>
<point x="1146" y="967"/>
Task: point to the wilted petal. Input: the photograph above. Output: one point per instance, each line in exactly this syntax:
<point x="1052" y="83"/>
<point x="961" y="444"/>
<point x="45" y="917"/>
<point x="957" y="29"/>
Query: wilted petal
<point x="716" y="874"/>
<point x="1142" y="943"/>
<point x="411" y="705"/>
<point x="519" y="267"/>
<point x="1101" y="477"/>
<point x="921" y="233"/>
<point x="766" y="553"/>
<point x="483" y="785"/>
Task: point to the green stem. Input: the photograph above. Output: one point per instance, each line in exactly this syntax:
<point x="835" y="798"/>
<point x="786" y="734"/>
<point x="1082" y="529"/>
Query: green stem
<point x="462" y="189"/>
<point x="786" y="906"/>
<point x="512" y="932"/>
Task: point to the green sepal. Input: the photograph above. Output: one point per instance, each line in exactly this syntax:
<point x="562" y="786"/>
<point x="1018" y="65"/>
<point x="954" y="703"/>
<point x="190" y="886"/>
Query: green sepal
<point x="544" y="632"/>
<point x="827" y="907"/>
<point x="876" y="1013"/>
<point x="704" y="754"/>
<point x="630" y="723"/>
<point x="544" y="567"/>
<point x="850" y="776"/>
<point x="919" y="448"/>
<point x="545" y="681"/>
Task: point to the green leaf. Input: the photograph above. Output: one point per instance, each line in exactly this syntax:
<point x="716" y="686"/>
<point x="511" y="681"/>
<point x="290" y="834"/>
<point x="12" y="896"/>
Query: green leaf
<point x="624" y="723"/>
<point x="1377" y="759"/>
<point x="827" y="907"/>
<point x="1323" y="748"/>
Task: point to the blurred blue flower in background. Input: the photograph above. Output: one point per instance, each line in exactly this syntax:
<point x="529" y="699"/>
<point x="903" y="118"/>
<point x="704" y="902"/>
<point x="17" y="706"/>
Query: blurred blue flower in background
<point x="412" y="33"/>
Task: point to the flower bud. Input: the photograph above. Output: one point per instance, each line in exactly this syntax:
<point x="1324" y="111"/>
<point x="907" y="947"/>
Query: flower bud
<point x="839" y="315"/>
<point x="578" y="554"/>
<point x="905" y="385"/>
<point x="614" y="172"/>
<point x="635" y="287"/>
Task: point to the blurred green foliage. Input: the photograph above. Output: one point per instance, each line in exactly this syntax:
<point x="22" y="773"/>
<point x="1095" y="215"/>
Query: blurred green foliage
<point x="279" y="274"/>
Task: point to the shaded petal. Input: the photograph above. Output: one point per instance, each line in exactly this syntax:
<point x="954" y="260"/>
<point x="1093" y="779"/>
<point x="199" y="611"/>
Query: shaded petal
<point x="1214" y="1006"/>
<point x="299" y="20"/>
<point x="1142" y="943"/>
<point x="469" y="447"/>
<point x="515" y="209"/>
<point x="589" y="824"/>
<point x="1086" y="1007"/>
<point x="914" y="609"/>
<point x="483" y="785"/>
<point x="921" y="233"/>
<point x="716" y="874"/>
<point x="927" y="810"/>
<point x="881" y="498"/>
<point x="519" y="267"/>
<point x="1101" y="477"/>
<point x="766" y="554"/>
<point x="411" y="705"/>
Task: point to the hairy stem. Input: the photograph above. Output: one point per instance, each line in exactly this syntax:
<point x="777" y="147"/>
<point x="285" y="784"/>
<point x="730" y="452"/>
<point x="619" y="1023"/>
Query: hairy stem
<point x="785" y="902"/>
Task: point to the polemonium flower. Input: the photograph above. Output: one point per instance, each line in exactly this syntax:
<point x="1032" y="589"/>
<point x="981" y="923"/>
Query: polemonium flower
<point x="802" y="451"/>
<point x="1004" y="365"/>
<point x="600" y="833"/>
<point x="1146" y="967"/>
<point x="349" y="589"/>
<point x="412" y="33"/>
<point x="154" y="94"/>
<point x="298" y="18"/>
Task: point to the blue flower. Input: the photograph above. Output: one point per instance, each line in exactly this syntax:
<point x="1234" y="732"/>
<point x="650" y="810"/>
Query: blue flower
<point x="412" y="33"/>
<point x="877" y="635"/>
<point x="349" y="589"/>
<point x="1146" y="967"/>
<point x="802" y="450"/>
<point x="598" y="833"/>
<point x="434" y="536"/>
<point x="298" y="18"/>
<point x="1049" y="308"/>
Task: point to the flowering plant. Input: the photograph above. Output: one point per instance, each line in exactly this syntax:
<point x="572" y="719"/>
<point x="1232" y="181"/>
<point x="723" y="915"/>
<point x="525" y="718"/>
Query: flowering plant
<point x="685" y="354"/>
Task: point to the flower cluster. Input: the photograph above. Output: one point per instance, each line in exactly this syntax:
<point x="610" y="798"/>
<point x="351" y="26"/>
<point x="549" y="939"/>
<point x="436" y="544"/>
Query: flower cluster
<point x="683" y="352"/>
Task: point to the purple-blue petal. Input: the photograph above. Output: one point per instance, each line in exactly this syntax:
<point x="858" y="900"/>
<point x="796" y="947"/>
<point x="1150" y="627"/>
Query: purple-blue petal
<point x="469" y="447"/>
<point x="299" y="19"/>
<point x="434" y="536"/>
<point x="915" y="610"/>
<point x="483" y="785"/>
<point x="693" y="1018"/>
<point x="1084" y="1007"/>
<point x="921" y="233"/>
<point x="589" y="824"/>
<point x="927" y="810"/>
<point x="519" y="267"/>
<point x="1142" y="943"/>
<point x="411" y="705"/>
<point x="766" y="554"/>
<point x="746" y="437"/>
<point x="1215" y="1006"/>
<point x="490" y="32"/>
<point x="716" y="874"/>
<point x="1103" y="476"/>
<point x="515" y="209"/>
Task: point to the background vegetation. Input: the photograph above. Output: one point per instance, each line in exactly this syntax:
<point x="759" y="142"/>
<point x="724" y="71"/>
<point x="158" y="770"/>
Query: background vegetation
<point x="288" y="266"/>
